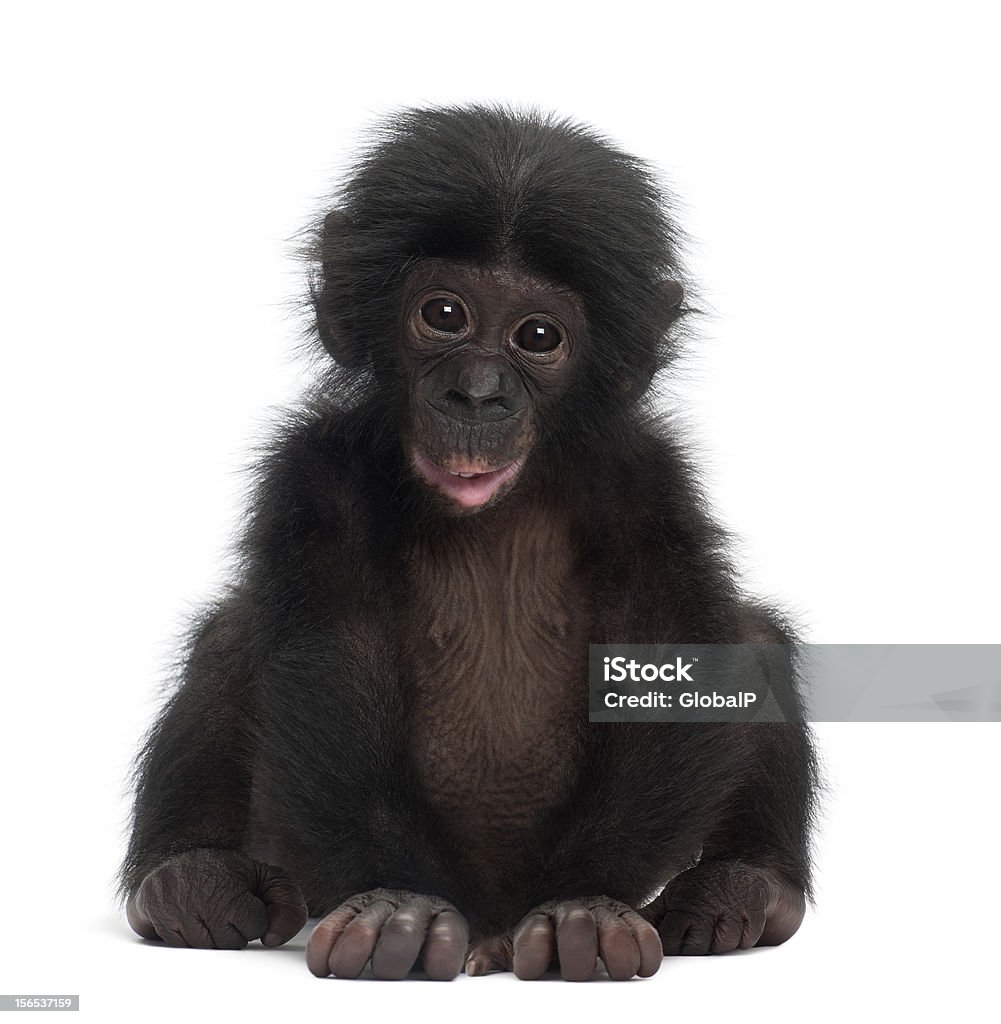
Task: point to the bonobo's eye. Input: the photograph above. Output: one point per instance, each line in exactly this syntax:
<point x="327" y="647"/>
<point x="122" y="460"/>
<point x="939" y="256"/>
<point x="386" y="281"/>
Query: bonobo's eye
<point x="446" y="315"/>
<point x="538" y="336"/>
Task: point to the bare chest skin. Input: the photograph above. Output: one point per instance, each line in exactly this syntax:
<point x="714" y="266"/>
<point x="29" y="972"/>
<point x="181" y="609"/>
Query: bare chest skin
<point x="499" y="642"/>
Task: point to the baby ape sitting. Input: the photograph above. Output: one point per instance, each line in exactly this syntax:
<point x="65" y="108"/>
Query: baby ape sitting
<point x="384" y="720"/>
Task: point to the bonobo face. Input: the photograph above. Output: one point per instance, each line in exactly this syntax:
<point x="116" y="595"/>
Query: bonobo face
<point x="487" y="350"/>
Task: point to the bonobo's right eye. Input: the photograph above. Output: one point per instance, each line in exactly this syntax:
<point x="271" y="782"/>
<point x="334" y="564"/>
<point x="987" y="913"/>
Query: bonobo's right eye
<point x="443" y="314"/>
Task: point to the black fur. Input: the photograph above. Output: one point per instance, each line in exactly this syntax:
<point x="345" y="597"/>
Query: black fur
<point x="288" y="735"/>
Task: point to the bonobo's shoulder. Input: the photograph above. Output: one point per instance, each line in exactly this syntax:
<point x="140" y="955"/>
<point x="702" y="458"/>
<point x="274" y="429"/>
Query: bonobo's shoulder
<point x="654" y="477"/>
<point x="319" y="447"/>
<point x="654" y="459"/>
<point x="322" y="468"/>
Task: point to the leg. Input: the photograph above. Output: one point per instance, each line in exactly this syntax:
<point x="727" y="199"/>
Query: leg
<point x="198" y="870"/>
<point x="615" y="844"/>
<point x="751" y="886"/>
<point x="186" y="880"/>
<point x="337" y="801"/>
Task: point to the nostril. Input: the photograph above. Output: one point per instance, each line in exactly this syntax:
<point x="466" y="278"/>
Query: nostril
<point x="474" y="389"/>
<point x="454" y="395"/>
<point x="458" y="397"/>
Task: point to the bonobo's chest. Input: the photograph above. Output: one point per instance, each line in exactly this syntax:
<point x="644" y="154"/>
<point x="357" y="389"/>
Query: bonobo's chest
<point x="498" y="652"/>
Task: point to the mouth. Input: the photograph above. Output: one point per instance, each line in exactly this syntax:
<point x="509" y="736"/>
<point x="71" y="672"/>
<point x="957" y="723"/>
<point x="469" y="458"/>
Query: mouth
<point x="464" y="483"/>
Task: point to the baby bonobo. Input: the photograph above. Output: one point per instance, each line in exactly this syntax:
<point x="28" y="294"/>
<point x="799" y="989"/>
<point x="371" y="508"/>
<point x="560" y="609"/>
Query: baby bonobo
<point x="383" y="723"/>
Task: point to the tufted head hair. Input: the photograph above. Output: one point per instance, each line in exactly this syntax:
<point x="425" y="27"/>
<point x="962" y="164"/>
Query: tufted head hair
<point x="490" y="185"/>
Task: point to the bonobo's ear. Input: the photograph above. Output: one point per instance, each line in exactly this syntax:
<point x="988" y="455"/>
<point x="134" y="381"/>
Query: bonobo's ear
<point x="673" y="292"/>
<point x="335" y="338"/>
<point x="332" y="225"/>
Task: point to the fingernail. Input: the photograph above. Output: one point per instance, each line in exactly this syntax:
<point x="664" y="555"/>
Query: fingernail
<point x="474" y="967"/>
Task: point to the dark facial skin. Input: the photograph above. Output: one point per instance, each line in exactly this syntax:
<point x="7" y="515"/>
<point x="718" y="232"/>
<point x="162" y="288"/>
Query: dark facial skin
<point x="485" y="350"/>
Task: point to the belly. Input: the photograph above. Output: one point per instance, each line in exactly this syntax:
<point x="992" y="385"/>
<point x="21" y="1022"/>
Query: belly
<point x="498" y="653"/>
<point x="496" y="754"/>
<point x="497" y="739"/>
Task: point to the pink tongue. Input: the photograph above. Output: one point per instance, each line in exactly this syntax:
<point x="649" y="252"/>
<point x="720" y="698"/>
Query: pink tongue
<point x="472" y="491"/>
<point x="468" y="492"/>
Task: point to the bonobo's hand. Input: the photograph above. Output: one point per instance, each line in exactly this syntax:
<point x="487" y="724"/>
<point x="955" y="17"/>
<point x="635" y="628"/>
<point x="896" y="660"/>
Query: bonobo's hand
<point x="574" y="933"/>
<point x="216" y="899"/>
<point x="391" y="928"/>
<point x="717" y="907"/>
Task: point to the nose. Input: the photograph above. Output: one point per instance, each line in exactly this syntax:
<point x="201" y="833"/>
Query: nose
<point x="477" y="389"/>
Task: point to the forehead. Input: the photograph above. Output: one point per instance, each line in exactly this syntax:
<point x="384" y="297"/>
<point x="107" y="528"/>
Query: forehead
<point x="494" y="282"/>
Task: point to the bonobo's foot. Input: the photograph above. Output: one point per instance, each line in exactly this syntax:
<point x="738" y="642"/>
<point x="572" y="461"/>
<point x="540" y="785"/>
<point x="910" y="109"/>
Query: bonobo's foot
<point x="717" y="907"/>
<point x="391" y="928"/>
<point x="216" y="899"/>
<point x="574" y="934"/>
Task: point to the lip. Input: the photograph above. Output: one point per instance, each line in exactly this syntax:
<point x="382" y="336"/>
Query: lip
<point x="464" y="483"/>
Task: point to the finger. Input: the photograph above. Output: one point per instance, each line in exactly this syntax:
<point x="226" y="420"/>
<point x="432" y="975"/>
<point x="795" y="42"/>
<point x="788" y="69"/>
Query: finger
<point x="753" y="926"/>
<point x="229" y="936"/>
<point x="286" y="909"/>
<point x="616" y="945"/>
<point x="185" y="933"/>
<point x="138" y="919"/>
<point x="284" y="922"/>
<point x="647" y="942"/>
<point x="198" y="933"/>
<point x="495" y="954"/>
<point x="324" y="937"/>
<point x="576" y="942"/>
<point x="698" y="939"/>
<point x="445" y="946"/>
<point x="173" y="931"/>
<point x="247" y="914"/>
<point x="400" y="940"/>
<point x="534" y="947"/>
<point x="357" y="942"/>
<point x="173" y="935"/>
<point x="674" y="931"/>
<point x="685" y="934"/>
<point x="726" y="933"/>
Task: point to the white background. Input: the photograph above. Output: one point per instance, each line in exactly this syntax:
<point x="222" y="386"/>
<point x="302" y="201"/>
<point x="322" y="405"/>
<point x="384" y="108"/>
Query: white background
<point x="838" y="170"/>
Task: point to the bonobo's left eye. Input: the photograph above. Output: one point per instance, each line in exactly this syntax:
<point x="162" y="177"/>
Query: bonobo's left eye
<point x="446" y="315"/>
<point x="538" y="336"/>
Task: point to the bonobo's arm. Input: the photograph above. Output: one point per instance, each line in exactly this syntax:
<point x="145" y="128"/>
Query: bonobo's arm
<point x="185" y="880"/>
<point x="643" y="812"/>
<point x="751" y="885"/>
<point x="657" y="797"/>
